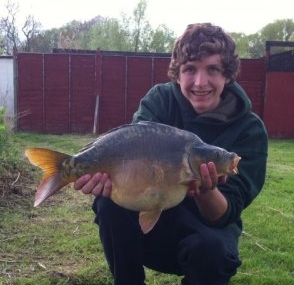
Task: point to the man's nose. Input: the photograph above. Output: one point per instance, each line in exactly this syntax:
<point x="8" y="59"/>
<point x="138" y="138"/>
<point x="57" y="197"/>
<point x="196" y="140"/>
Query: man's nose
<point x="200" y="78"/>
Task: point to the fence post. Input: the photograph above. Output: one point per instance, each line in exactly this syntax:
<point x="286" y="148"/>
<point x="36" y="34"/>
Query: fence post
<point x="96" y="115"/>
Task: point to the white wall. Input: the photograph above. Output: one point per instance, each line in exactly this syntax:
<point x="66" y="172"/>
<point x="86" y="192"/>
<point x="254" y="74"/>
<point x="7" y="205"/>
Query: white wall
<point x="7" y="85"/>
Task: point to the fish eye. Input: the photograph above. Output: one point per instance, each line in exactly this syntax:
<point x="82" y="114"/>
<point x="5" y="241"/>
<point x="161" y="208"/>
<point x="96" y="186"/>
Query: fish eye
<point x="217" y="154"/>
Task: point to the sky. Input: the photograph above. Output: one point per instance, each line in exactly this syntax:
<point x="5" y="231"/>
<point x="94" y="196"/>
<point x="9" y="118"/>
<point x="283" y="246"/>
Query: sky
<point x="246" y="16"/>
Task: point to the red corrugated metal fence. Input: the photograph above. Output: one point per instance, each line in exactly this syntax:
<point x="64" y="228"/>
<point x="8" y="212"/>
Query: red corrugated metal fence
<point x="57" y="93"/>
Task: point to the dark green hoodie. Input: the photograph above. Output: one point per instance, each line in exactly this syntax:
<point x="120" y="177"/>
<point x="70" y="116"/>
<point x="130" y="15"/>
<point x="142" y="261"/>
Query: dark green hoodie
<point x="232" y="125"/>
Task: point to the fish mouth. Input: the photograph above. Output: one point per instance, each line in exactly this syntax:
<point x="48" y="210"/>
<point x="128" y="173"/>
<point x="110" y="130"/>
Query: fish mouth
<point x="234" y="165"/>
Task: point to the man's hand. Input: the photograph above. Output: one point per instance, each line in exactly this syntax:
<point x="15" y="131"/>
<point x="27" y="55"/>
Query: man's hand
<point x="98" y="185"/>
<point x="209" y="180"/>
<point x="211" y="203"/>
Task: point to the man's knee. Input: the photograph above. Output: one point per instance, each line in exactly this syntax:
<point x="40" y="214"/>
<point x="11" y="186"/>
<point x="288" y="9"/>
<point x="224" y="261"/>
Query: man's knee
<point x="208" y="258"/>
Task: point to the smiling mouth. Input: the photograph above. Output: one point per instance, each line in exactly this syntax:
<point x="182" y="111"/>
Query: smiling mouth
<point x="200" y="93"/>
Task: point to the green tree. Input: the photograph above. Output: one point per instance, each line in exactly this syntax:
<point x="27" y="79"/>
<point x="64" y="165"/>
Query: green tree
<point x="142" y="29"/>
<point x="280" y="30"/>
<point x="162" y="39"/>
<point x="143" y="37"/>
<point x="109" y="35"/>
<point x="131" y="33"/>
<point x="45" y="41"/>
<point x="84" y="35"/>
<point x="256" y="46"/>
<point x="128" y="33"/>
<point x="242" y="43"/>
<point x="2" y="46"/>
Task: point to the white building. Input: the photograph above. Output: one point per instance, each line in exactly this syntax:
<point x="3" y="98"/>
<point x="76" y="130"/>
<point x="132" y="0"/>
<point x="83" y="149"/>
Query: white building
<point x="7" y="86"/>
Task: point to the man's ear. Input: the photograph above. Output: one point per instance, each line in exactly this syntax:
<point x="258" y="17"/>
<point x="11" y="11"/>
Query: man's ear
<point x="228" y="80"/>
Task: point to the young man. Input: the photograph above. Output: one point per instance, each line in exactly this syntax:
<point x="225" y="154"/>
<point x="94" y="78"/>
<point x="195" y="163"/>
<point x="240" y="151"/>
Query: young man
<point x="197" y="239"/>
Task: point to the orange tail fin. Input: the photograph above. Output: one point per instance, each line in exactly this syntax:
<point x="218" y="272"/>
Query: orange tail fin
<point x="51" y="163"/>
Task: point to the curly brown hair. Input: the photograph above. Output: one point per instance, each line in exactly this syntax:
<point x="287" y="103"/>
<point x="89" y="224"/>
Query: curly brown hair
<point x="202" y="39"/>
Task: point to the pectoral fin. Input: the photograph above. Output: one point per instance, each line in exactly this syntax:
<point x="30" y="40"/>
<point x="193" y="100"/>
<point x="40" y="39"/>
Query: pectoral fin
<point x="148" y="220"/>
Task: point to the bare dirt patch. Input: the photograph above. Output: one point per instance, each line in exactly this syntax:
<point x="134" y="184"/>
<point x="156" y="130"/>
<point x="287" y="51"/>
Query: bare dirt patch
<point x="16" y="185"/>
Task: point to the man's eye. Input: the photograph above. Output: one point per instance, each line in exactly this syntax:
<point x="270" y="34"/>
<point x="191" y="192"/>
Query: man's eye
<point x="189" y="69"/>
<point x="214" y="70"/>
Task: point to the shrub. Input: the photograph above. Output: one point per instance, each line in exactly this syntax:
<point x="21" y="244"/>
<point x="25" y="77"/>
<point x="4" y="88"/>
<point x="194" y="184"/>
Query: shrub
<point x="2" y="112"/>
<point x="9" y="152"/>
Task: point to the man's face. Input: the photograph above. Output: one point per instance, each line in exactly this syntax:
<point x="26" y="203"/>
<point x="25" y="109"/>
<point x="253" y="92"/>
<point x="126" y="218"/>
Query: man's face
<point x="202" y="82"/>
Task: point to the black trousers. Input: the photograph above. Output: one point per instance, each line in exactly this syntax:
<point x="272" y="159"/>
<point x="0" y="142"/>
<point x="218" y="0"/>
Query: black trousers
<point x="179" y="244"/>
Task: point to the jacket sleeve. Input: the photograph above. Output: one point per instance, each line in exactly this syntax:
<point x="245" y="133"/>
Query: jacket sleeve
<point x="241" y="189"/>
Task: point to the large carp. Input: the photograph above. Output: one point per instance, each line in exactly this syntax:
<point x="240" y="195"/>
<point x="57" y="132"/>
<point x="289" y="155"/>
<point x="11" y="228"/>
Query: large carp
<point x="150" y="164"/>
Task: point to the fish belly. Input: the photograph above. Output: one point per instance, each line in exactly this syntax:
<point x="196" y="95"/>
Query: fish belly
<point x="141" y="186"/>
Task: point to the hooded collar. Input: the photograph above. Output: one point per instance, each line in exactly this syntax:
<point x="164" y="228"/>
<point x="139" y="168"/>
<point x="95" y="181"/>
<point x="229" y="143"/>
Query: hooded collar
<point x="227" y="109"/>
<point x="234" y="105"/>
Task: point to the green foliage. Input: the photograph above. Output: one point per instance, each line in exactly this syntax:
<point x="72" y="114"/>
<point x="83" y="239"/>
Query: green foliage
<point x="2" y="113"/>
<point x="108" y="35"/>
<point x="253" y="46"/>
<point x="127" y="33"/>
<point x="280" y="30"/>
<point x="1" y="44"/>
<point x="45" y="41"/>
<point x="162" y="40"/>
<point x="130" y="34"/>
<point x="8" y="152"/>
<point x="58" y="243"/>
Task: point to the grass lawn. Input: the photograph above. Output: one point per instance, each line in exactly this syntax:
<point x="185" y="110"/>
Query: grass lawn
<point x="57" y="243"/>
